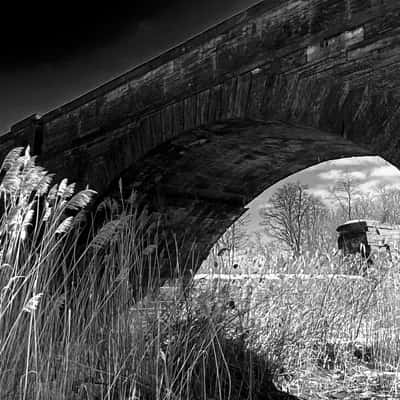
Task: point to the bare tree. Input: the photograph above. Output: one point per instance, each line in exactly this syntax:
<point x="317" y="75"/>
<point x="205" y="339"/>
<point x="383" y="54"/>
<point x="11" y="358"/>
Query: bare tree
<point x="315" y="226"/>
<point x="366" y="206"/>
<point x="388" y="204"/>
<point x="382" y="203"/>
<point x="234" y="238"/>
<point x="293" y="216"/>
<point x="345" y="192"/>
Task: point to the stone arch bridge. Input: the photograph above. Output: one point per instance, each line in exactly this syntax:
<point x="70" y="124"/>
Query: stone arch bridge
<point x="205" y="127"/>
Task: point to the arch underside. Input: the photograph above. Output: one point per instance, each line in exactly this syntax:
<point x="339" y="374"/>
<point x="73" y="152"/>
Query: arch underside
<point x="192" y="128"/>
<point x="201" y="181"/>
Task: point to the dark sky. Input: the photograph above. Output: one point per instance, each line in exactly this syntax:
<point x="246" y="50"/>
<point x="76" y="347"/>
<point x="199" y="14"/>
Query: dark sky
<point x="50" y="55"/>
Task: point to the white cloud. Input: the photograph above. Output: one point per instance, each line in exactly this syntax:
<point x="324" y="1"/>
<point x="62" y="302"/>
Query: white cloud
<point x="346" y="162"/>
<point x="335" y="174"/>
<point x="357" y="161"/>
<point x="370" y="186"/>
<point x="387" y="171"/>
<point x="393" y="186"/>
<point x="359" y="175"/>
<point x="322" y="193"/>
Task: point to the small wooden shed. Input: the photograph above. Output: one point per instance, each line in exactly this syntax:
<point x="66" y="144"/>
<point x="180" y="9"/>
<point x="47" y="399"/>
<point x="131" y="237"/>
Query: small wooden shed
<point x="367" y="236"/>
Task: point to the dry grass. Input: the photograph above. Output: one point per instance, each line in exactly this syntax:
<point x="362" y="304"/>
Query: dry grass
<point x="89" y="321"/>
<point x="324" y="327"/>
<point x="70" y="327"/>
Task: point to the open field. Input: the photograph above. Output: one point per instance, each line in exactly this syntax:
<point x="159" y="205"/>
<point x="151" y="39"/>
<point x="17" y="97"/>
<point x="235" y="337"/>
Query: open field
<point x="338" y="333"/>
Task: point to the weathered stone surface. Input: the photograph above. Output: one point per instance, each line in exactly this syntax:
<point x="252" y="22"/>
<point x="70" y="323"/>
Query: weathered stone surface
<point x="331" y="65"/>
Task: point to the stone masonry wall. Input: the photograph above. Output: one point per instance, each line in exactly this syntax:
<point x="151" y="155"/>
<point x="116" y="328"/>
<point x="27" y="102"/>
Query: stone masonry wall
<point x="330" y="64"/>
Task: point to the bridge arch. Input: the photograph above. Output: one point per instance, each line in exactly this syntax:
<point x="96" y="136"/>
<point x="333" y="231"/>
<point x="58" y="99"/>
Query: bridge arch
<point x="272" y="90"/>
<point x="201" y="181"/>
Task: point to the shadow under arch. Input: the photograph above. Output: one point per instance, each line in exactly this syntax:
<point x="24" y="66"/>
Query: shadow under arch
<point x="200" y="182"/>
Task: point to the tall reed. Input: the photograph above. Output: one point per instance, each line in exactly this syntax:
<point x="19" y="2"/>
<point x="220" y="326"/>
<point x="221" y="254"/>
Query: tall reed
<point x="83" y="316"/>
